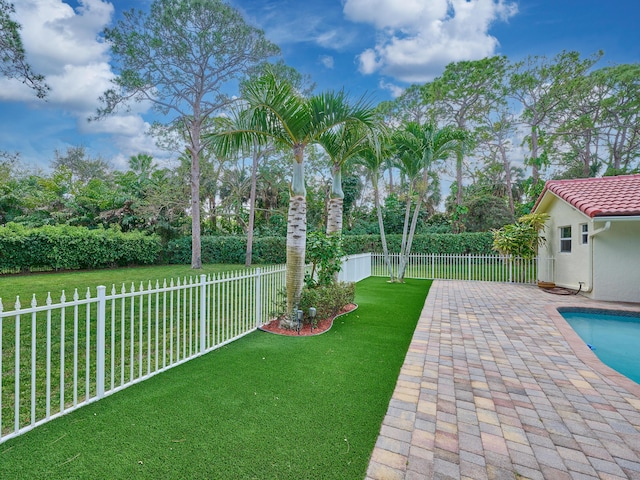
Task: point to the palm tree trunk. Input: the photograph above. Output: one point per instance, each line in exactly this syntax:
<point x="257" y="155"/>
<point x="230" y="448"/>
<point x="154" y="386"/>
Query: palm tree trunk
<point x="383" y="238"/>
<point x="336" y="201"/>
<point x="412" y="231"/>
<point x="252" y="205"/>
<point x="296" y="238"/>
<point x="296" y="243"/>
<point x="405" y="228"/>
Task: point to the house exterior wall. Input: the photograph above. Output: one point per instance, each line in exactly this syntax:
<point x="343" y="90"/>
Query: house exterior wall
<point x="616" y="262"/>
<point x="570" y="268"/>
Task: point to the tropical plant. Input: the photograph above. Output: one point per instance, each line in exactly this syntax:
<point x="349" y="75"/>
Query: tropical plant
<point x="418" y="149"/>
<point x="342" y="144"/>
<point x="521" y="239"/>
<point x="374" y="160"/>
<point x="325" y="254"/>
<point x="274" y="112"/>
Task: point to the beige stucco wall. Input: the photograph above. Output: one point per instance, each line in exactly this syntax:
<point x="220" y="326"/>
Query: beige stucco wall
<point x="616" y="262"/>
<point x="569" y="268"/>
<point x="615" y="259"/>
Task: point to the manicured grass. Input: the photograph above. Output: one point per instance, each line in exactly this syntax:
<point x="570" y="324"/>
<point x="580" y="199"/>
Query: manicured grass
<point x="41" y="284"/>
<point x="55" y="282"/>
<point x="263" y="407"/>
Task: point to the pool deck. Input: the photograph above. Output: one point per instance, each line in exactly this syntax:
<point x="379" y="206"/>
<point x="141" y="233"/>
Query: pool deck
<point x="496" y="385"/>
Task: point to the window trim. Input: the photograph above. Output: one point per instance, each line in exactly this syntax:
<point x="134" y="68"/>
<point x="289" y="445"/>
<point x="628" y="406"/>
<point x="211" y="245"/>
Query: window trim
<point x="584" y="233"/>
<point x="565" y="241"/>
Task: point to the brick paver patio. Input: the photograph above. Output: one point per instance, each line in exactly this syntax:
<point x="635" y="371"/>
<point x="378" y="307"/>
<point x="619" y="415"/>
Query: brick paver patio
<point x="496" y="385"/>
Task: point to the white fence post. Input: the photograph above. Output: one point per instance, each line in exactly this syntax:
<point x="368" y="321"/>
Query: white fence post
<point x="258" y="294"/>
<point x="203" y="313"/>
<point x="511" y="260"/>
<point x="100" y="341"/>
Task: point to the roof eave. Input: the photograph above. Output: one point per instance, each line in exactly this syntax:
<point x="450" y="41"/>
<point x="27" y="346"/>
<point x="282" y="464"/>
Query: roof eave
<point x="616" y="218"/>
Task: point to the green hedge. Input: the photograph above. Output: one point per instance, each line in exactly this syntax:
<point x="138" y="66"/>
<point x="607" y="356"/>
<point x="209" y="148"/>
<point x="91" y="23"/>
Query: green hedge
<point x="231" y="249"/>
<point x="228" y="249"/>
<point x="441" y="243"/>
<point x="64" y="247"/>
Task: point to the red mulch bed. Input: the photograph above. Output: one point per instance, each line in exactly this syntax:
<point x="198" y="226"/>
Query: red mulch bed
<point x="323" y="325"/>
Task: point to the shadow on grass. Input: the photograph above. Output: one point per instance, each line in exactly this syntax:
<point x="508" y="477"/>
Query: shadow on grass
<point x="263" y="407"/>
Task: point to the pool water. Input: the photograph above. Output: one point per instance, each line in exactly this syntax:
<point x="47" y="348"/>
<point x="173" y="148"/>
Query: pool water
<point x="613" y="336"/>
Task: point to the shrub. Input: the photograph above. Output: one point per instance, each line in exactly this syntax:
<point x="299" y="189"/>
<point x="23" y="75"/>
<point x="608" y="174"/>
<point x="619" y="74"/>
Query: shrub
<point x="63" y="247"/>
<point x="522" y="238"/>
<point x="479" y="243"/>
<point x="272" y="250"/>
<point x="228" y="249"/>
<point x="325" y="254"/>
<point x="328" y="300"/>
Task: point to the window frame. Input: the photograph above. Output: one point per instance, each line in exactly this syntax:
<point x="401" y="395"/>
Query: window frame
<point x="584" y="233"/>
<point x="565" y="241"/>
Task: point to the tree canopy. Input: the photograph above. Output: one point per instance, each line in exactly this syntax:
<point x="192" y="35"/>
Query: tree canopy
<point x="180" y="57"/>
<point x="13" y="63"/>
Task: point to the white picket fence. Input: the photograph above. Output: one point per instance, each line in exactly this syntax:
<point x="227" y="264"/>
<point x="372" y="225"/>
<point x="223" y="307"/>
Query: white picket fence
<point x="57" y="357"/>
<point x="486" y="268"/>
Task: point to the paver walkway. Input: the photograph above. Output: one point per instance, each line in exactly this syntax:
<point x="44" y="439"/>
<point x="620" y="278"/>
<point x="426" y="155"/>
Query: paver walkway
<point x="496" y="385"/>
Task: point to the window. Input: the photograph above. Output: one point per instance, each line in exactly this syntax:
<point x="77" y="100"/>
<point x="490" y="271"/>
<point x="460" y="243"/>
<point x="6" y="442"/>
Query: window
<point x="584" y="234"/>
<point x="565" y="239"/>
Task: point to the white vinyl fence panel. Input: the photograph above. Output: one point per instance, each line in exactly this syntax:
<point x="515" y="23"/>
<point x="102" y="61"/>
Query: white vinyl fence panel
<point x="487" y="268"/>
<point x="355" y="268"/>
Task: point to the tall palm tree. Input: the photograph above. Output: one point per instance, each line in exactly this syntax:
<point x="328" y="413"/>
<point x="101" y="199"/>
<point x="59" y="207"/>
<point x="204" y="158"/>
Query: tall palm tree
<point x="418" y="148"/>
<point x="274" y="112"/>
<point x="342" y="144"/>
<point x="375" y="158"/>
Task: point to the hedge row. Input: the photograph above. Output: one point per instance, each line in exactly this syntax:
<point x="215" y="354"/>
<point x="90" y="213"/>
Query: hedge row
<point x="63" y="247"/>
<point x="479" y="243"/>
<point x="228" y="249"/>
<point x="67" y="248"/>
<point x="232" y="249"/>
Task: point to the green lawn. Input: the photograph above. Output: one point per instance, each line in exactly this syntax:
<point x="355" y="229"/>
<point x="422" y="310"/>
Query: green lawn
<point x="42" y="283"/>
<point x="263" y="407"/>
<point x="127" y="367"/>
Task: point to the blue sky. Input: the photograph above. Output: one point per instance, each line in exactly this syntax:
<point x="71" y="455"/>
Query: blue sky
<point x="366" y="46"/>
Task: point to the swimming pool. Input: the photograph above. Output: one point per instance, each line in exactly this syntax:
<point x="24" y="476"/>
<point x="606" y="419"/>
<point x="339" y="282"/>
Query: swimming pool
<point x="613" y="335"/>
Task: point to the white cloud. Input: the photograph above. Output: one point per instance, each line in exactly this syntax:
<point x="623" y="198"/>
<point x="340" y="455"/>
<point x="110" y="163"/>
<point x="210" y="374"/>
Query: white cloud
<point x="395" y="90"/>
<point x="130" y="136"/>
<point x="56" y="36"/>
<point x="309" y="22"/>
<point x="65" y="45"/>
<point x="369" y="62"/>
<point x="418" y="38"/>
<point x="327" y="60"/>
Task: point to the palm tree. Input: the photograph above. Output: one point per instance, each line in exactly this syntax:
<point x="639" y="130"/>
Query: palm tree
<point x="418" y="148"/>
<point x="375" y="158"/>
<point x="275" y="112"/>
<point x="342" y="144"/>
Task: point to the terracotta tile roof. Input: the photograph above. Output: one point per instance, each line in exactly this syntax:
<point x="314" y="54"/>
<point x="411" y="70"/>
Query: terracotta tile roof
<point x="599" y="197"/>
